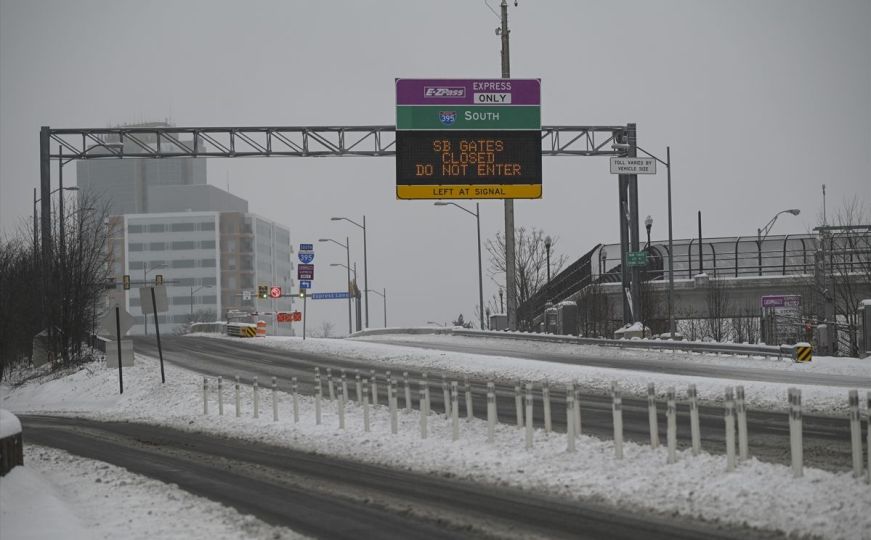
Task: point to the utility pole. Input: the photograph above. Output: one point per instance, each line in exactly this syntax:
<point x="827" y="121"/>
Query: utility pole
<point x="510" y="287"/>
<point x="632" y="180"/>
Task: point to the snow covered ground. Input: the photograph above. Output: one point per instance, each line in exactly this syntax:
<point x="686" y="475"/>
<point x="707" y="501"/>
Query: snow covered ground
<point x="767" y="395"/>
<point x="58" y="495"/>
<point x="762" y="495"/>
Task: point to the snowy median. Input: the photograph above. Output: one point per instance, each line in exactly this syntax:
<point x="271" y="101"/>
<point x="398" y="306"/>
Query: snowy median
<point x="762" y="495"/>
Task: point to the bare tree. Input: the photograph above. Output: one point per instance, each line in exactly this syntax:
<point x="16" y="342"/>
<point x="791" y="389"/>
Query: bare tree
<point x="717" y="306"/>
<point x="595" y="315"/>
<point x="530" y="261"/>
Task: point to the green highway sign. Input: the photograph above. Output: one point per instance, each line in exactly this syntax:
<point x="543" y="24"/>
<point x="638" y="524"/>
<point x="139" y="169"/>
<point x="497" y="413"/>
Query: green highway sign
<point x="636" y="258"/>
<point x="469" y="117"/>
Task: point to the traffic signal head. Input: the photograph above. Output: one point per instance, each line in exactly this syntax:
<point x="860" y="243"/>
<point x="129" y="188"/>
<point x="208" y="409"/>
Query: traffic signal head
<point x="262" y="291"/>
<point x="302" y="293"/>
<point x="126" y="281"/>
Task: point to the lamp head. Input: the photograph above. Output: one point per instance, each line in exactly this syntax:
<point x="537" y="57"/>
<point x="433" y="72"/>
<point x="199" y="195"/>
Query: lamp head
<point x="440" y="203"/>
<point x="794" y="211"/>
<point x="336" y="219"/>
<point x="648" y="222"/>
<point x="323" y="239"/>
<point x="548" y="241"/>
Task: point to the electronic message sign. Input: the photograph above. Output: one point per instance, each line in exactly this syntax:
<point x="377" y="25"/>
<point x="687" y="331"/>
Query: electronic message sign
<point x="468" y="139"/>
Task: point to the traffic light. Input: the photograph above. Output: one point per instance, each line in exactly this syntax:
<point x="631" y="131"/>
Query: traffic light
<point x="302" y="293"/>
<point x="126" y="281"/>
<point x="158" y="279"/>
<point x="262" y="291"/>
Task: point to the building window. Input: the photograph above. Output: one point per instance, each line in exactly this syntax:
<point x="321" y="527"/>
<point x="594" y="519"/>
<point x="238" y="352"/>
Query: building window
<point x="186" y="282"/>
<point x="135" y="229"/>
<point x="182" y="246"/>
<point x="207" y="244"/>
<point x="182" y="227"/>
<point x="246" y="281"/>
<point x="207" y="263"/>
<point x="183" y="263"/>
<point x="135" y="246"/>
<point x="209" y="300"/>
<point x="157" y="246"/>
<point x="208" y="226"/>
<point x="137" y="265"/>
<point x="156" y="227"/>
<point x="209" y="281"/>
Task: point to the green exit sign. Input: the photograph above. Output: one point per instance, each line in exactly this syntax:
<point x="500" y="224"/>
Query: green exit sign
<point x="636" y="258"/>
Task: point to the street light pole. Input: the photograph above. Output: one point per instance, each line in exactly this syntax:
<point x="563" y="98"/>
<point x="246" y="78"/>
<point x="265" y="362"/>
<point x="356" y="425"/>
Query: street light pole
<point x="760" y="237"/>
<point x="145" y="272"/>
<point x="365" y="265"/>
<point x="547" y="244"/>
<point x="384" y="296"/>
<point x="477" y="215"/>
<point x="347" y="247"/>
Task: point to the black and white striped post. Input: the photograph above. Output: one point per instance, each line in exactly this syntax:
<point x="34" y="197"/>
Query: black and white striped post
<point x="256" y="399"/>
<point x="518" y="404"/>
<point x="651" y="416"/>
<point x="293" y="389"/>
<point x="470" y="413"/>
<point x="274" y="400"/>
<point x="795" y="432"/>
<point x="220" y="396"/>
<point x="617" y="412"/>
<point x="205" y="396"/>
<point x="856" y="433"/>
<point x="695" y="431"/>
<point x="671" y="424"/>
<point x="741" y="413"/>
<point x="238" y="408"/>
<point x="570" y="420"/>
<point x="545" y="399"/>
<point x="491" y="411"/>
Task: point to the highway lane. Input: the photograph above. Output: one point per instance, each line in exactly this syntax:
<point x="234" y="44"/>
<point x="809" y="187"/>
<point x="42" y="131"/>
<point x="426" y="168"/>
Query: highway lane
<point x="508" y="348"/>
<point x="826" y="439"/>
<point x="330" y="498"/>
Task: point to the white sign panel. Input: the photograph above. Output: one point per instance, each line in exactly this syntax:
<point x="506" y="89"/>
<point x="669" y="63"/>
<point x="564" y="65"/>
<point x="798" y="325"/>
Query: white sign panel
<point x="160" y="299"/>
<point x="633" y="165"/>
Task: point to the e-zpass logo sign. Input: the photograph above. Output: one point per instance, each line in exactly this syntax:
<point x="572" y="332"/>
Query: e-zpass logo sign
<point x="444" y="92"/>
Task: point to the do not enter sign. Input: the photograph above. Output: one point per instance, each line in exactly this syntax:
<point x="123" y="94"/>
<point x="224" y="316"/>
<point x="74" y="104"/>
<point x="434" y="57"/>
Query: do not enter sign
<point x="275" y="292"/>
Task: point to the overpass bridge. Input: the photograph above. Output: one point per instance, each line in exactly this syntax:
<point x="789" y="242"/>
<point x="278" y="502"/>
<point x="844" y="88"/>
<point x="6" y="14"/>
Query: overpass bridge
<point x="729" y="274"/>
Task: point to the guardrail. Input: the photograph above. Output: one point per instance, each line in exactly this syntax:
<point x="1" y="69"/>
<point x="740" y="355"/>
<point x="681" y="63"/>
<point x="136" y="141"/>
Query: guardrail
<point x="657" y="344"/>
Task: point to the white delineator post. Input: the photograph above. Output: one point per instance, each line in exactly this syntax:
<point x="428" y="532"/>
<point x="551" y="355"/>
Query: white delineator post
<point x="529" y="404"/>
<point x="205" y="396"/>
<point x="344" y="386"/>
<point x="545" y="398"/>
<point x="330" y="388"/>
<point x="576" y="391"/>
<point x="446" y="397"/>
<point x="741" y="412"/>
<point x="238" y="408"/>
<point x="318" y="394"/>
<point x="795" y="432"/>
<point x="256" y="399"/>
<point x="671" y="425"/>
<point x="293" y="388"/>
<point x="455" y="411"/>
<point x="365" y="406"/>
<point x="469" y="405"/>
<point x="425" y="382"/>
<point x="856" y="433"/>
<point x="695" y="433"/>
<point x="518" y="404"/>
<point x="373" y="384"/>
<point x="422" y="393"/>
<point x="651" y="415"/>
<point x="359" y="387"/>
<point x="570" y="420"/>
<point x="318" y="380"/>
<point x="491" y="410"/>
<point x="617" y="412"/>
<point x="220" y="396"/>
<point x="729" y="416"/>
<point x="274" y="400"/>
<point x="394" y="406"/>
<point x="341" y="405"/>
<point x="407" y="391"/>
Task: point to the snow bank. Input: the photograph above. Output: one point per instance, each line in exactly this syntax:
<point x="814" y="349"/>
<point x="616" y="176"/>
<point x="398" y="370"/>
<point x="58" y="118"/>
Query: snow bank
<point x="9" y="424"/>
<point x="762" y="495"/>
<point x="58" y="495"/>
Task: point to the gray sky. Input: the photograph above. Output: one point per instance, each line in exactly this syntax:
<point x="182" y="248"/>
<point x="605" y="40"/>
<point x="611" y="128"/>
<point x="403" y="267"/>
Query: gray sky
<point x="760" y="101"/>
